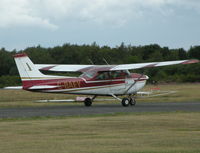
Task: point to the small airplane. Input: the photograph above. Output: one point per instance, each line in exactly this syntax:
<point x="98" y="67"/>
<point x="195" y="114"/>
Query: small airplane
<point x="95" y="80"/>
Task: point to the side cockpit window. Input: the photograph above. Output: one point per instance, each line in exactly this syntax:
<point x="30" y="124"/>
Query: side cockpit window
<point x="103" y="76"/>
<point x="120" y="74"/>
<point x="112" y="75"/>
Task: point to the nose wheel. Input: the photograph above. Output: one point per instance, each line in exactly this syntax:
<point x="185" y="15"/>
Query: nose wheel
<point x="128" y="101"/>
<point x="132" y="101"/>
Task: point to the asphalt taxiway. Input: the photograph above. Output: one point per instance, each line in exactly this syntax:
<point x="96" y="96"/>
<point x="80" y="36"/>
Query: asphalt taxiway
<point x="76" y="110"/>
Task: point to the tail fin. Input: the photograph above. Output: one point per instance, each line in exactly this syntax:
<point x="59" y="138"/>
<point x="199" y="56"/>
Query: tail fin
<point x="26" y="68"/>
<point x="31" y="77"/>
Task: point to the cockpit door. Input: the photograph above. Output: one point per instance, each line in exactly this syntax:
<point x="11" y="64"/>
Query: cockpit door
<point x="130" y="84"/>
<point x="118" y="82"/>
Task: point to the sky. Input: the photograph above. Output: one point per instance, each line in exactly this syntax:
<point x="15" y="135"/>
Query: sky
<point x="49" y="23"/>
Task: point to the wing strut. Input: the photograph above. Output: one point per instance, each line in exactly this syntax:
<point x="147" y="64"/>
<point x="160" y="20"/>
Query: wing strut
<point x="116" y="97"/>
<point x="133" y="84"/>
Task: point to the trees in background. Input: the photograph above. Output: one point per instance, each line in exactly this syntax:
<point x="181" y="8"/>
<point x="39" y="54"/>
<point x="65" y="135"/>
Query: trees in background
<point x="84" y="54"/>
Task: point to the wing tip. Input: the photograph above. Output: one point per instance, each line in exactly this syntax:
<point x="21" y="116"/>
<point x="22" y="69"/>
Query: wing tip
<point x="192" y="61"/>
<point x="20" y="55"/>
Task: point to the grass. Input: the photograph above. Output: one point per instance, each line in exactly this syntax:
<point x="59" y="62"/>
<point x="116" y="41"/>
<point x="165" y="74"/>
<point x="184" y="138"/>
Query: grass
<point x="20" y="98"/>
<point x="177" y="132"/>
<point x="184" y="93"/>
<point x="141" y="133"/>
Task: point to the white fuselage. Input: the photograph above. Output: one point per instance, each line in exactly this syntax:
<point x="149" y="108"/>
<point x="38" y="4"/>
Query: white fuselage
<point x="130" y="86"/>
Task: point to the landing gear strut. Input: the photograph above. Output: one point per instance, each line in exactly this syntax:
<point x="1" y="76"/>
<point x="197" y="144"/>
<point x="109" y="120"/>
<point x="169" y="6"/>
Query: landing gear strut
<point x="128" y="101"/>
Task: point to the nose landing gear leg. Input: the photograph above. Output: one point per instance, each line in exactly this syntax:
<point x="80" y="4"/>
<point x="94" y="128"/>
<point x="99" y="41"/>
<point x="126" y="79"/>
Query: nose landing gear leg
<point x="130" y="100"/>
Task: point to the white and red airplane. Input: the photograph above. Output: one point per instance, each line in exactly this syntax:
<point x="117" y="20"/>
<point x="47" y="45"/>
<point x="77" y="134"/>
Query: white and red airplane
<point x="96" y="80"/>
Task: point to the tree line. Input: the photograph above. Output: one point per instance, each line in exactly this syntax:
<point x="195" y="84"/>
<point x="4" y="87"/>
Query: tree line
<point x="122" y="54"/>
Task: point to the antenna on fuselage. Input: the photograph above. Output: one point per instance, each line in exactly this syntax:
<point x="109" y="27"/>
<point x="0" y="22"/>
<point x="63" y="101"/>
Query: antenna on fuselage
<point x="91" y="61"/>
<point x="105" y="61"/>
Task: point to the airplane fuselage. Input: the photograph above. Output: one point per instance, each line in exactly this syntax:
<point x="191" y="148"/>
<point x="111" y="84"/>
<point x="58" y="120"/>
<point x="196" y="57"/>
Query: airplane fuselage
<point x="82" y="85"/>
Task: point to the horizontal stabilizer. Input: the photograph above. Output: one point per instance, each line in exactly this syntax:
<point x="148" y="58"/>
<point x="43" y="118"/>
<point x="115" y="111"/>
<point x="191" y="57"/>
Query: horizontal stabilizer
<point x="55" y="101"/>
<point x="42" y="87"/>
<point x="13" y="88"/>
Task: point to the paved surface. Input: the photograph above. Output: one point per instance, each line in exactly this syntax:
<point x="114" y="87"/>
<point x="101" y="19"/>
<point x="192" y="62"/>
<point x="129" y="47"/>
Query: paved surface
<point x="97" y="109"/>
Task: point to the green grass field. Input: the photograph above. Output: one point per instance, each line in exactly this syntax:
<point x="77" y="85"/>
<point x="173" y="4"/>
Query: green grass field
<point x="188" y="92"/>
<point x="120" y="133"/>
<point x="20" y="98"/>
<point x="175" y="132"/>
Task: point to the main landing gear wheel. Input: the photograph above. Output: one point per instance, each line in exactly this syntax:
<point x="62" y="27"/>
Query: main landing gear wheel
<point x="128" y="101"/>
<point x="88" y="102"/>
<point x="125" y="102"/>
<point x="132" y="101"/>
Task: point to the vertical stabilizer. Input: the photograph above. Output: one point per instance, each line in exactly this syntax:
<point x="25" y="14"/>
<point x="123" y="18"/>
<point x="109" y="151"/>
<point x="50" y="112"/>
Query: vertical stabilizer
<point x="31" y="77"/>
<point x="26" y="68"/>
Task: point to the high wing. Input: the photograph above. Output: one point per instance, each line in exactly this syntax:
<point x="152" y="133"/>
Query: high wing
<point x="153" y="64"/>
<point x="84" y="68"/>
<point x="73" y="68"/>
<point x="63" y="68"/>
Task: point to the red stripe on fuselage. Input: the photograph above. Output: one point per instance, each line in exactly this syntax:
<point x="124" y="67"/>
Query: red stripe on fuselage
<point x="68" y="83"/>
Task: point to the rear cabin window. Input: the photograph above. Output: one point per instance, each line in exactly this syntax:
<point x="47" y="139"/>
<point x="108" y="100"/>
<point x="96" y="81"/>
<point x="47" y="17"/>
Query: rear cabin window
<point x="89" y="74"/>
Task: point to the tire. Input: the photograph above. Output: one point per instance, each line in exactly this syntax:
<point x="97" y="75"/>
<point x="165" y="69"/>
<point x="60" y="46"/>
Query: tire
<point x="132" y="102"/>
<point x="125" y="102"/>
<point x="88" y="102"/>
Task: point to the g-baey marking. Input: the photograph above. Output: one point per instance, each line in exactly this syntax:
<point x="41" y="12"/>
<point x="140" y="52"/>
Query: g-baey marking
<point x="70" y="84"/>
